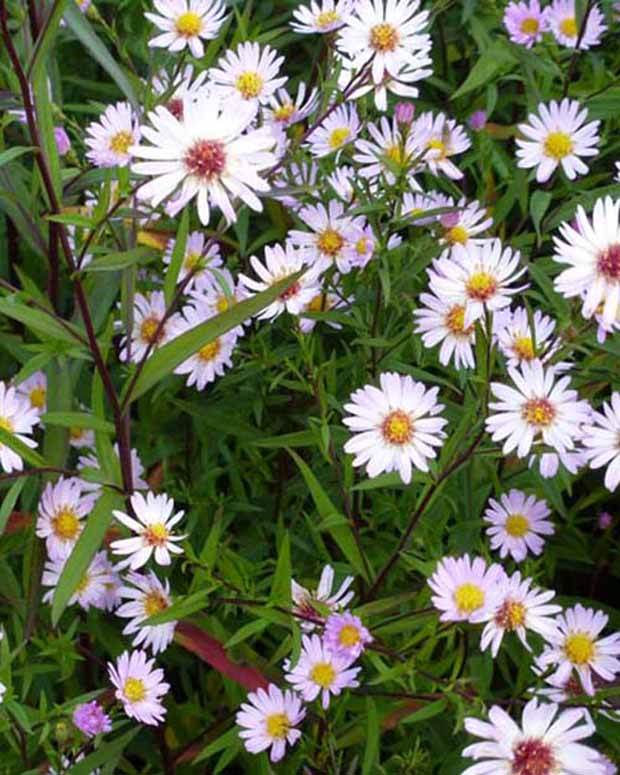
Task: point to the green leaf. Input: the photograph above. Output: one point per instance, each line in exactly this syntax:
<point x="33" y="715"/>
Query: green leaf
<point x="114" y="262"/>
<point x="372" y="738"/>
<point x="281" y="585"/>
<point x="497" y="57"/>
<point x="245" y="632"/>
<point x="168" y="357"/>
<point x="220" y="744"/>
<point x="72" y="219"/>
<point x="21" y="449"/>
<point x="44" y="326"/>
<point x="178" y="254"/>
<point x="14" y="153"/>
<point x="45" y="122"/>
<point x="9" y="501"/>
<point x="539" y="204"/>
<point x="428" y="711"/>
<point x="77" y="420"/>
<point x="106" y="752"/>
<point x="46" y="39"/>
<point x="87" y="545"/>
<point x="297" y="439"/>
<point x="182" y="608"/>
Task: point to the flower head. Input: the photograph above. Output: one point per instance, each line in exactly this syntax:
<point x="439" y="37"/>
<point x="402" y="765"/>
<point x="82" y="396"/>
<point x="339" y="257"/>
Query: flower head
<point x="345" y="635"/>
<point x="199" y="258"/>
<point x="111" y="138"/>
<point x="436" y="139"/>
<point x="465" y="589"/>
<point x="269" y="720"/>
<point x="340" y="128"/>
<point x="248" y="74"/>
<point x="18" y="417"/>
<point x="438" y="322"/>
<point x="91" y="719"/>
<point x="602" y="441"/>
<point x="151" y="328"/>
<point x="321" y="16"/>
<point x="519" y="341"/>
<point x="91" y="589"/>
<point x="517" y="524"/>
<point x="525" y="22"/>
<point x="561" y="19"/>
<point x="146" y="596"/>
<point x="62" y="507"/>
<point x="35" y="390"/>
<point x="139" y="686"/>
<point x="308" y="603"/>
<point x="186" y="23"/>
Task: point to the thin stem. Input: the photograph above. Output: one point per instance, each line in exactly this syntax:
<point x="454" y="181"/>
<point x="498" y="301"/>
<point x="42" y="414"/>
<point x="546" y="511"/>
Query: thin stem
<point x="36" y="472"/>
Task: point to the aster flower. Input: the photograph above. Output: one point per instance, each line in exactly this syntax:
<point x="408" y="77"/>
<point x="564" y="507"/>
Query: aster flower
<point x="437" y="139"/>
<point x="518" y="522"/>
<point x="387" y="145"/>
<point x="465" y="589"/>
<point x="248" y="74"/>
<point x="310" y="604"/>
<point x="602" y="439"/>
<point x="518" y="342"/>
<point x="34" y="389"/>
<point x="465" y="223"/>
<point x="111" y="598"/>
<point x="147" y="596"/>
<point x="282" y="262"/>
<point x="79" y="438"/>
<point x="549" y="462"/>
<point x="339" y="128"/>
<point x="438" y="322"/>
<point x="91" y="462"/>
<point x="62" y="507"/>
<point x="321" y="16"/>
<point x="177" y="87"/>
<point x="139" y="686"/>
<point x="545" y="743"/>
<point x="525" y="22"/>
<point x="519" y="607"/>
<point x="477" y="276"/>
<point x="218" y="291"/>
<point x="322" y="301"/>
<point x="576" y="646"/>
<point x="200" y="256"/>
<point x="593" y="252"/>
<point x="345" y="635"/>
<point x="284" y="111"/>
<point x="152" y="525"/>
<point x="387" y="33"/>
<point x="91" y="588"/>
<point x="561" y="18"/>
<point x="395" y="427"/>
<point x="292" y="180"/>
<point x="148" y="331"/>
<point x="414" y="205"/>
<point x="321" y="672"/>
<point x="341" y="180"/>
<point x="539" y="408"/>
<point x="186" y="23"/>
<point x="91" y="719"/>
<point x="210" y="161"/>
<point x="360" y="247"/>
<point x="19" y="418"/>
<point x="558" y="135"/>
<point x="269" y="720"/>
<point x="110" y="139"/>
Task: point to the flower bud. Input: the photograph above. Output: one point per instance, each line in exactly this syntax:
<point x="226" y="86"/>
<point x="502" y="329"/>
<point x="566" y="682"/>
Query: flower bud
<point x="478" y="120"/>
<point x="403" y="112"/>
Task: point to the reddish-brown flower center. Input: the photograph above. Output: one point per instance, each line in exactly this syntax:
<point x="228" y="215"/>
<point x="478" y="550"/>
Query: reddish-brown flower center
<point x="290" y="292"/>
<point x="539" y="411"/>
<point x="206" y="159"/>
<point x="175" y="106"/>
<point x="532" y="757"/>
<point x="608" y="263"/>
<point x="510" y="615"/>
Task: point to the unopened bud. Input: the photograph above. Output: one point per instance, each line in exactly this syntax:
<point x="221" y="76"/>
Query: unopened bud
<point x="403" y="112"/>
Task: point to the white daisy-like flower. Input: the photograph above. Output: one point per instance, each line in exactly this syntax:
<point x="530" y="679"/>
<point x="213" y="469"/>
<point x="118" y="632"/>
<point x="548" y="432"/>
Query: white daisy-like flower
<point x="549" y="462"/>
<point x="593" y="251"/>
<point x="437" y="139"/>
<point x="91" y="589"/>
<point x="269" y="720"/>
<point x="519" y="342"/>
<point x="310" y="604"/>
<point x="79" y="438"/>
<point x="293" y="182"/>
<point x="35" y="390"/>
<point x="539" y="409"/>
<point x="477" y="276"/>
<point x="341" y="180"/>
<point x="211" y="161"/>
<point x="387" y="149"/>
<point x="148" y="331"/>
<point x="200" y="256"/>
<point x="465" y="589"/>
<point x="91" y="462"/>
<point x="340" y="128"/>
<point x="602" y="441"/>
<point x="520" y="607"/>
<point x="415" y="204"/>
<point x="218" y="291"/>
<point x="561" y="18"/>
<point x="345" y="635"/>
<point x="518" y="522"/>
<point x="248" y="74"/>
<point x="147" y="596"/>
<point x="385" y="33"/>
<point x="19" y="418"/>
<point x="139" y="686"/>
<point x="321" y="16"/>
<point x="111" y="138"/>
<point x="152" y="525"/>
<point x="186" y="23"/>
<point x="177" y="87"/>
<point x="525" y="22"/>
<point x="284" y="111"/>
<point x="558" y="135"/>
<point x="282" y="262"/>
<point x="321" y="672"/>
<point x="465" y="223"/>
<point x="576" y="646"/>
<point x="544" y="744"/>
<point x="396" y="426"/>
<point x="110" y="598"/>
<point x="213" y="358"/>
<point x="322" y="301"/>
<point x="360" y="248"/>
<point x="438" y="322"/>
<point x="62" y="507"/>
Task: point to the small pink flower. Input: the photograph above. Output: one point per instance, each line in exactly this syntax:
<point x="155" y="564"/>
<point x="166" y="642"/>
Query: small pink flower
<point x="345" y="635"/>
<point x="91" y="719"/>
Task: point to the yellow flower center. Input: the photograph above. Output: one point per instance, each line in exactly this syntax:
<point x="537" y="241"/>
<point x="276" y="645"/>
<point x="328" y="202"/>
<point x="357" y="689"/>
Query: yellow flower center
<point x="323" y="674"/>
<point x="192" y="261"/>
<point x="75" y="434"/>
<point x="349" y="636"/>
<point x="83" y="583"/>
<point x="579" y="648"/>
<point x="154" y="602"/>
<point x="468" y="598"/>
<point x="156" y="534"/>
<point x="37" y="397"/>
<point x="524" y="348"/>
<point x="538" y="411"/>
<point x="511" y="615"/>
<point x="317" y="304"/>
<point x="457" y="234"/>
<point x="436" y="144"/>
<point x="326" y="18"/>
<point x="209" y="351"/>
<point x="148" y="330"/>
<point x="397" y="428"/>
<point x="284" y="112"/>
<point x="65" y="524"/>
<point x="362" y="246"/>
<point x="330" y="242"/>
<point x="396" y="154"/>
<point x="481" y="286"/>
<point x="529" y="26"/>
<point x="517" y="525"/>
<point x="278" y="725"/>
<point x="6" y="424"/>
<point x="568" y="27"/>
<point x="188" y="24"/>
<point x="249" y="84"/>
<point x="558" y="145"/>
<point x="455" y="321"/>
<point x="339" y="137"/>
<point x="134" y="689"/>
<point x="120" y="142"/>
<point x="384" y="37"/>
<point x="222" y="304"/>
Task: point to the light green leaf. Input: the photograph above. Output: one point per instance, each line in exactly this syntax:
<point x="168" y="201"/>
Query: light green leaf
<point x="114" y="262"/>
<point x="44" y="326"/>
<point x="372" y="738"/>
<point x="297" y="439"/>
<point x="107" y="751"/>
<point x="9" y="501"/>
<point x="46" y="39"/>
<point x="539" y="204"/>
<point x="14" y="153"/>
<point x="77" y="420"/>
<point x="497" y="57"/>
<point x="178" y="254"/>
<point x="182" y="608"/>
